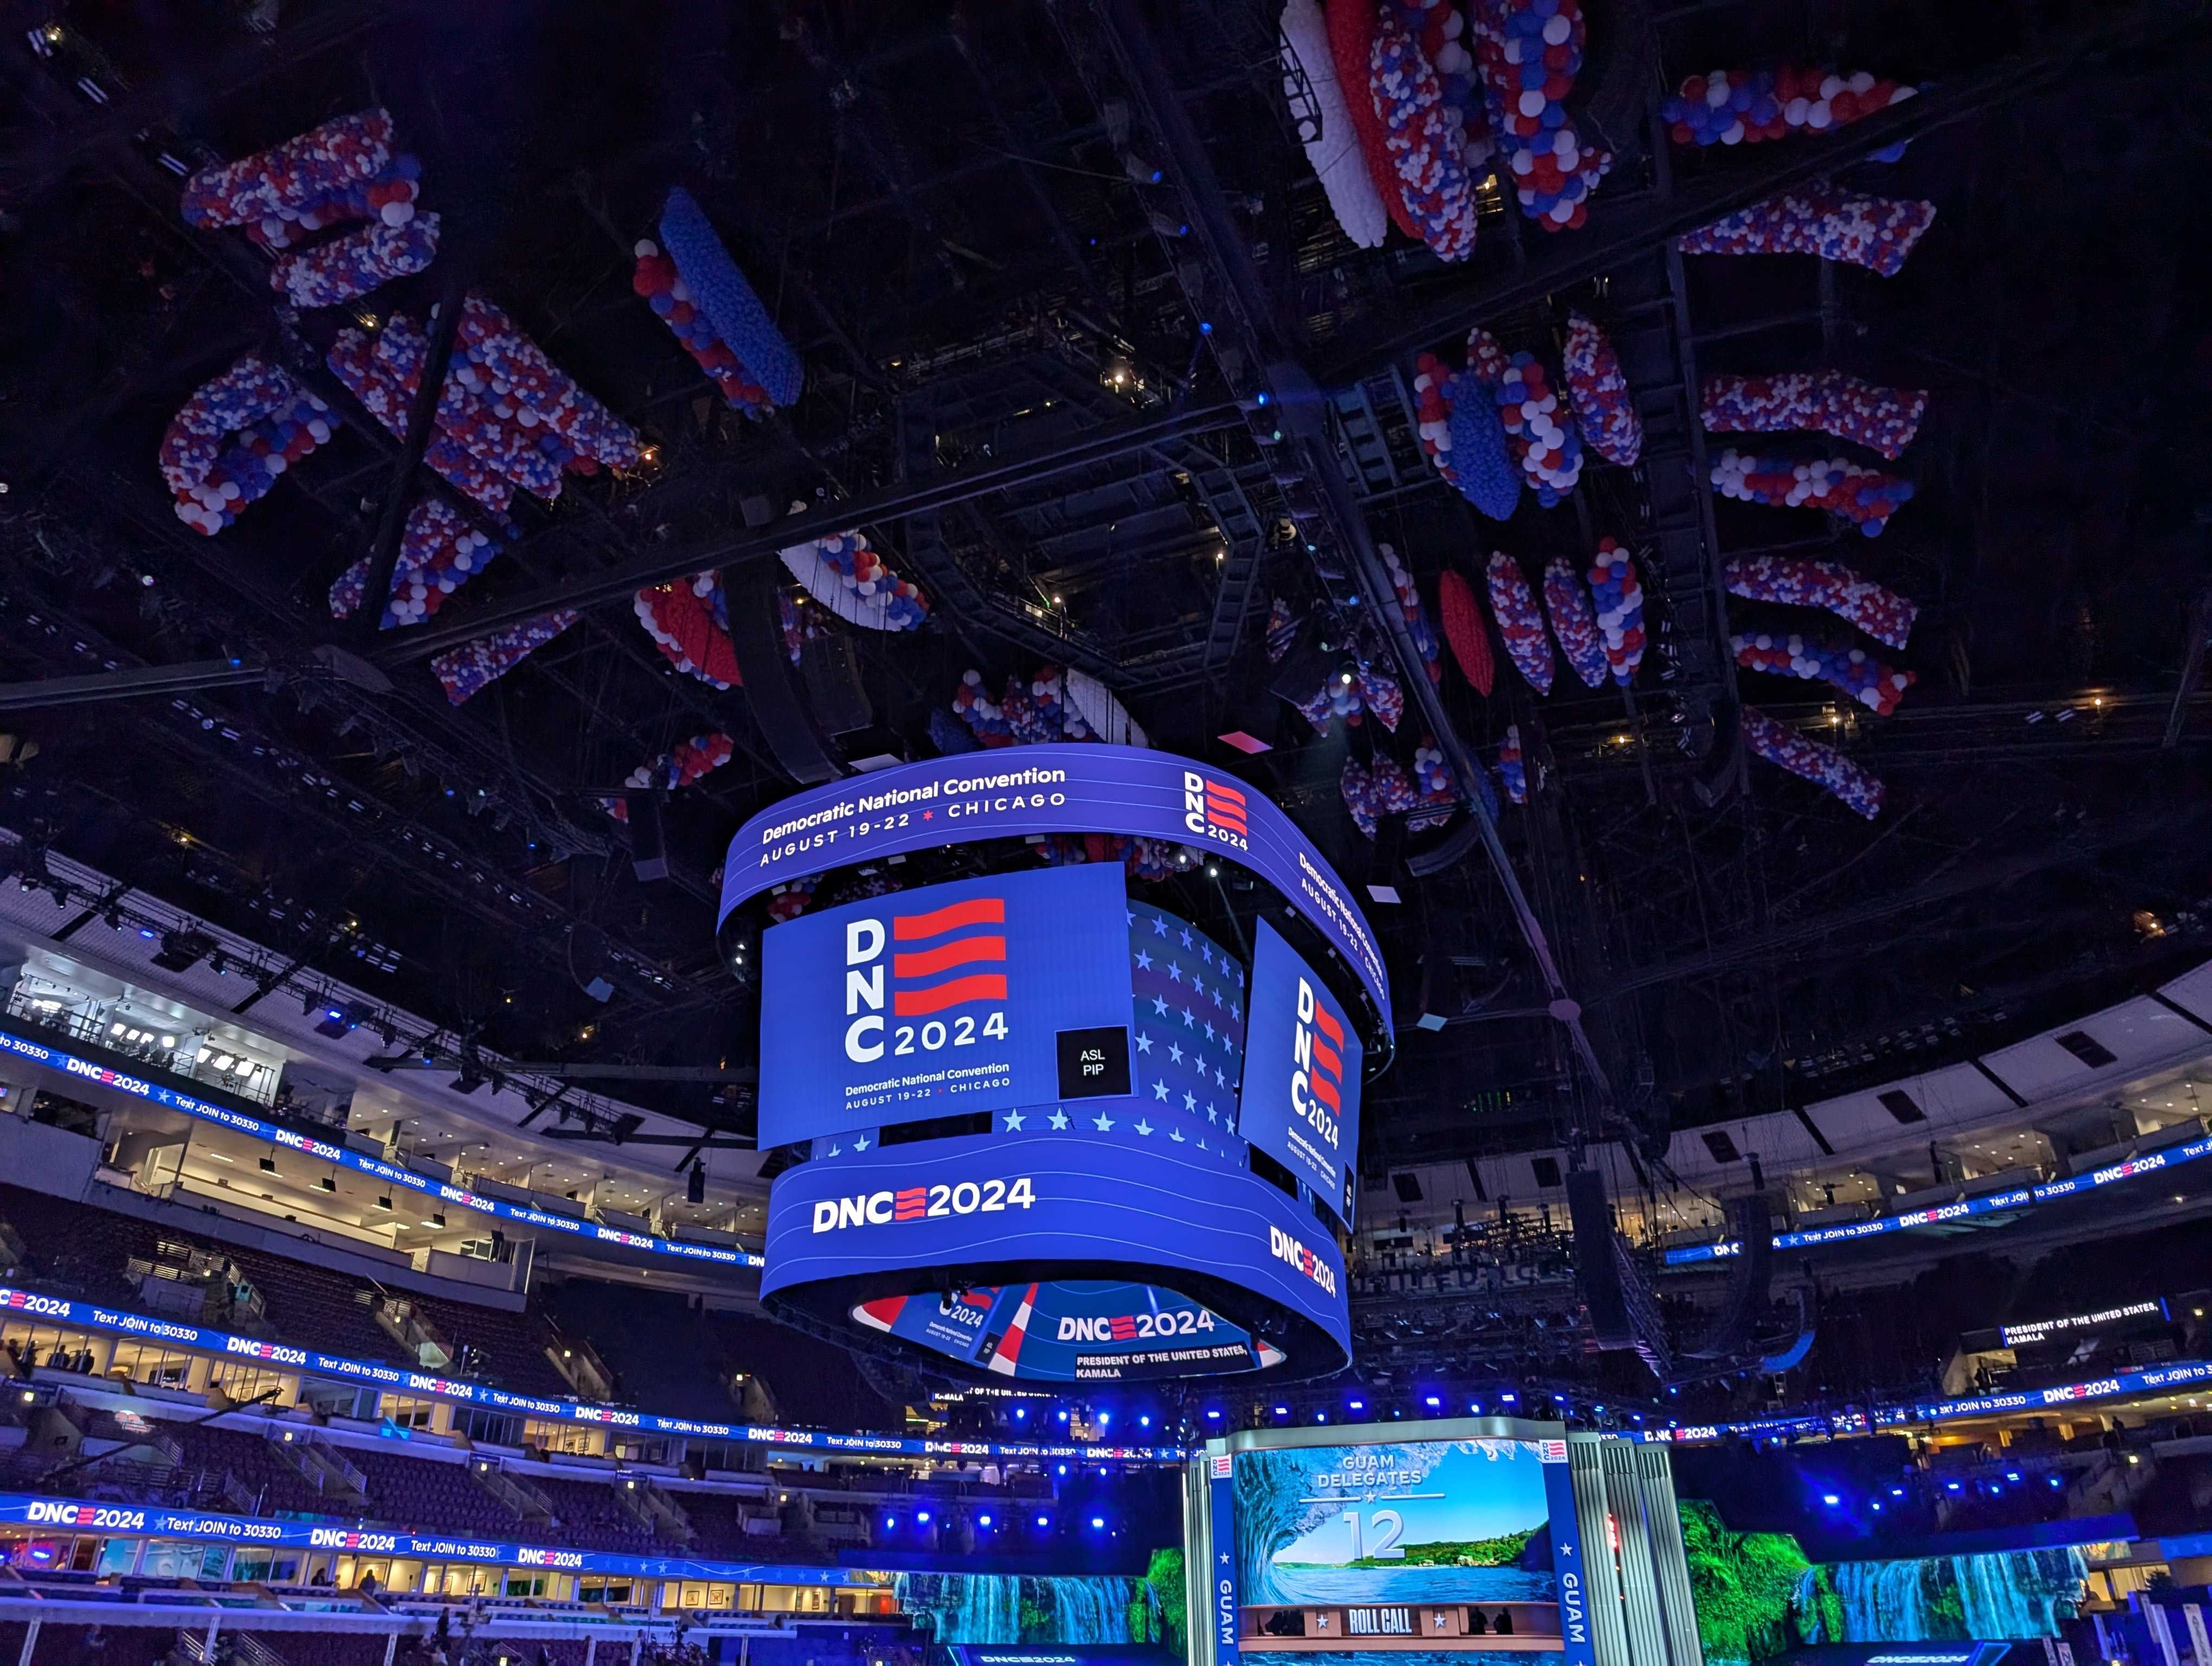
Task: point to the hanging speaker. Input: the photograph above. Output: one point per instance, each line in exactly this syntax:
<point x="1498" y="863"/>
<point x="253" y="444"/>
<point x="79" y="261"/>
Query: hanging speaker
<point x="1597" y="1272"/>
<point x="648" y="841"/>
<point x="695" y="1184"/>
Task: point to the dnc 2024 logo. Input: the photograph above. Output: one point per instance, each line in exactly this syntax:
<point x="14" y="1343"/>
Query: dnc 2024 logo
<point x="1212" y="811"/>
<point x="941" y="965"/>
<point x="1318" y="1067"/>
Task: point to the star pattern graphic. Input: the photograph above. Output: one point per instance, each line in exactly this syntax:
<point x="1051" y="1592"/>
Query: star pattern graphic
<point x="1175" y="971"/>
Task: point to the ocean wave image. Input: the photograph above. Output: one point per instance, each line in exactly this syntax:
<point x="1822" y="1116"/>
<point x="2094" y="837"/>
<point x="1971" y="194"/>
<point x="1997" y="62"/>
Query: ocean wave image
<point x="1419" y="1521"/>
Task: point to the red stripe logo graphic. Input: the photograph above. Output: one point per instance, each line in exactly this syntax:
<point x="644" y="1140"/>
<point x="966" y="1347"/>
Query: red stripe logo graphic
<point x="910" y="1204"/>
<point x="1225" y="808"/>
<point x="956" y="943"/>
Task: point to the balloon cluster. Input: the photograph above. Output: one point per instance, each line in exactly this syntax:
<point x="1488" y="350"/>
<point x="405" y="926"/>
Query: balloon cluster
<point x="381" y="371"/>
<point x="1375" y="790"/>
<point x="719" y="291"/>
<point x="1514" y="607"/>
<point x="1417" y="619"/>
<point x="1744" y="106"/>
<point x="1457" y="420"/>
<point x="1037" y="710"/>
<point x="1574" y="622"/>
<point x="789" y="901"/>
<point x="469" y="669"/>
<point x="1877" y="232"/>
<point x="1867" y="497"/>
<point x="506" y="416"/>
<point x="344" y="170"/>
<point x="439" y="552"/>
<point x="346" y="268"/>
<point x="1431" y="773"/>
<point x="1620" y="597"/>
<point x="1144" y="859"/>
<point x="1529" y="53"/>
<point x="1352" y="30"/>
<point x="1366" y="688"/>
<point x="1423" y="140"/>
<point x="1866" y="679"/>
<point x="1154" y="859"/>
<point x="1512" y="773"/>
<point x="1883" y="419"/>
<point x="849" y="579"/>
<point x="227" y="443"/>
<point x="689" y="621"/>
<point x="1545" y="439"/>
<point x="798" y="630"/>
<point x="655" y="278"/>
<point x="496" y="358"/>
<point x="1820" y="764"/>
<point x="1100" y="712"/>
<point x="1882" y="614"/>
<point x="1599" y="393"/>
<point x="1440" y="27"/>
<point x="1333" y="151"/>
<point x="689" y="761"/>
<point x="1030" y="711"/>
<point x="1462" y="625"/>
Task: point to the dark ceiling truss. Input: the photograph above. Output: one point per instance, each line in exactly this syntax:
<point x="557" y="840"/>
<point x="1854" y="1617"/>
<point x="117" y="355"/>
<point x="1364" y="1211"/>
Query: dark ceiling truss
<point x="1322" y="500"/>
<point x="1486" y="293"/>
<point x="357" y="830"/>
<point x="968" y="228"/>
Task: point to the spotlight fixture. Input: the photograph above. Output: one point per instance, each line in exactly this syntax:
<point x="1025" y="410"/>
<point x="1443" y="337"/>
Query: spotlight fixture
<point x="336" y="1021"/>
<point x="182" y="949"/>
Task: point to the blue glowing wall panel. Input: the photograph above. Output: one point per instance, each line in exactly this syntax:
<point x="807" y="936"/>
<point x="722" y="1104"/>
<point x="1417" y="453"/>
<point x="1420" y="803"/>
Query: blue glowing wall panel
<point x="1302" y="1056"/>
<point x="951" y="999"/>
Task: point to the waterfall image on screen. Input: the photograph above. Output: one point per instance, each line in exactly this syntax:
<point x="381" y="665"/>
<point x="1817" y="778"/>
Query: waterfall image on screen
<point x="1026" y="1608"/>
<point x="1439" y="1548"/>
<point x="1759" y="1597"/>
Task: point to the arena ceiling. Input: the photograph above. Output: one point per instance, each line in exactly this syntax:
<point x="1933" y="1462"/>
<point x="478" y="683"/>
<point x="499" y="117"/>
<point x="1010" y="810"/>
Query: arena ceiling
<point x="1038" y="261"/>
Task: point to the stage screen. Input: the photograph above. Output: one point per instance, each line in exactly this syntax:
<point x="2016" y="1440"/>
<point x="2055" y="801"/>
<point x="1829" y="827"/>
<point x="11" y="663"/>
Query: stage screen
<point x="1300" y="1103"/>
<point x="978" y="995"/>
<point x="1464" y="1547"/>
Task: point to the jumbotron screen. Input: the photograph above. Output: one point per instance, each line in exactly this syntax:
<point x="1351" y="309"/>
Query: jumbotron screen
<point x="1465" y="1546"/>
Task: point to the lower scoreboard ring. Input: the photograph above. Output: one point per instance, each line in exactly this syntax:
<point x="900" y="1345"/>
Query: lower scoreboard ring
<point x="1058" y="1255"/>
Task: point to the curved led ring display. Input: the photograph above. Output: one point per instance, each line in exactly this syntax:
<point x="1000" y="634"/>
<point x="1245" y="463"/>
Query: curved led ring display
<point x="1120" y="1226"/>
<point x="1053" y="789"/>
